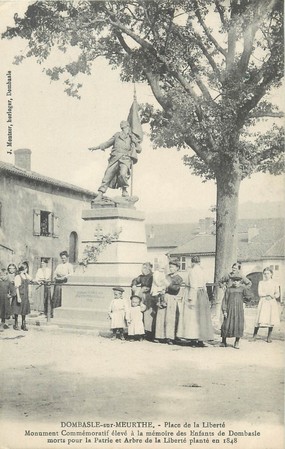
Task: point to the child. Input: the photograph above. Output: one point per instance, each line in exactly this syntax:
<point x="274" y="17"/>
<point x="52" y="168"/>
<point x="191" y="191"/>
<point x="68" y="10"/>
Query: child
<point x="232" y="308"/>
<point x="7" y="290"/>
<point x="20" y="302"/>
<point x="135" y="318"/>
<point x="159" y="284"/>
<point x="117" y="313"/>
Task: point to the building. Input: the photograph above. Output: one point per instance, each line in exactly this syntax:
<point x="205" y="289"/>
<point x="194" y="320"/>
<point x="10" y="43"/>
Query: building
<point x="39" y="216"/>
<point x="162" y="239"/>
<point x="260" y="244"/>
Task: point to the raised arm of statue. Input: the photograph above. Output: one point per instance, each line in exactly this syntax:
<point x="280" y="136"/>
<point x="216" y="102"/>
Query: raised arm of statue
<point x="104" y="145"/>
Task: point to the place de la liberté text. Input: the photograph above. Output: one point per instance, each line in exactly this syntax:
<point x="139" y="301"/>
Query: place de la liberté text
<point x="142" y="433"/>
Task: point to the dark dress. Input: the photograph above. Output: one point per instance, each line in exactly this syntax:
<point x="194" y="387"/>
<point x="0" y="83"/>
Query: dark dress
<point x="6" y="289"/>
<point x="145" y="280"/>
<point x="167" y="319"/>
<point x="233" y="325"/>
<point x="22" y="308"/>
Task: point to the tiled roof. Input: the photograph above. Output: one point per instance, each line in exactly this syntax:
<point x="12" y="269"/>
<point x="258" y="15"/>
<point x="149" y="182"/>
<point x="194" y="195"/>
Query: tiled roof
<point x="169" y="235"/>
<point x="277" y="250"/>
<point x="200" y="244"/>
<point x="14" y="171"/>
<point x="266" y="242"/>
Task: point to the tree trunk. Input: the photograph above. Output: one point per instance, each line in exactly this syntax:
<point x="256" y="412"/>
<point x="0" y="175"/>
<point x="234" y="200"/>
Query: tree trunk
<point x="228" y="184"/>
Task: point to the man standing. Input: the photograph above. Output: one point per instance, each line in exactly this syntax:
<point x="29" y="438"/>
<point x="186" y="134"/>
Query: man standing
<point x="126" y="146"/>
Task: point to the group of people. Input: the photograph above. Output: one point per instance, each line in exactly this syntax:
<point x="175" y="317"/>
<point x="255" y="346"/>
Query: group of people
<point x="15" y="292"/>
<point x="155" y="312"/>
<point x="153" y="309"/>
<point x="157" y="309"/>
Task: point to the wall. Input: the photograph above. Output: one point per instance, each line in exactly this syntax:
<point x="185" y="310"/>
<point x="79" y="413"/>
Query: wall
<point x="19" y="198"/>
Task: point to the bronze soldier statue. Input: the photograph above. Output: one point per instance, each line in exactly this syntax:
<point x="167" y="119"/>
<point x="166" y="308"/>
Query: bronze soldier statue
<point x="126" y="146"/>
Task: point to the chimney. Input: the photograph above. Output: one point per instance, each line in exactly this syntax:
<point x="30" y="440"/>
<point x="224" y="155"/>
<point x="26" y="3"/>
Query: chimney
<point x="23" y="158"/>
<point x="251" y="233"/>
<point x="202" y="226"/>
<point x="208" y="224"/>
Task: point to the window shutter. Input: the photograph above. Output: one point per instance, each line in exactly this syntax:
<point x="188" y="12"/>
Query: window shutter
<point x="50" y="223"/>
<point x="37" y="222"/>
<point x="55" y="226"/>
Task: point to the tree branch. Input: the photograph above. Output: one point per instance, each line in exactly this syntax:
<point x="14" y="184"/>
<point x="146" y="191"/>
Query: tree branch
<point x="259" y="93"/>
<point x="206" y="30"/>
<point x="221" y="12"/>
<point x="156" y="90"/>
<point x="197" y="40"/>
<point x="266" y="114"/>
<point x="204" y="90"/>
<point x="194" y="144"/>
<point x="248" y="38"/>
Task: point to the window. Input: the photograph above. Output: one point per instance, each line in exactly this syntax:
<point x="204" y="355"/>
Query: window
<point x="183" y="263"/>
<point x="46" y="224"/>
<point x="276" y="268"/>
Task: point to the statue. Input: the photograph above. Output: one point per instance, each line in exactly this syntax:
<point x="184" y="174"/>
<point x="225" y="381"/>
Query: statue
<point x="126" y="147"/>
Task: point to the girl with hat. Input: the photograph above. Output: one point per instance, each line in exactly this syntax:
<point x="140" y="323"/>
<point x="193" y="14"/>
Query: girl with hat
<point x="233" y="311"/>
<point x="20" y="302"/>
<point x="117" y="313"/>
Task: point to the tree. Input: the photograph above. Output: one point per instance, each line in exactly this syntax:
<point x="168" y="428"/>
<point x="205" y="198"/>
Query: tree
<point x="211" y="84"/>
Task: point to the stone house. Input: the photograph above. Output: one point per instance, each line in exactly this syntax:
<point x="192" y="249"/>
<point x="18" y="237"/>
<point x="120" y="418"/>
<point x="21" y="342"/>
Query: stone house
<point x="39" y="216"/>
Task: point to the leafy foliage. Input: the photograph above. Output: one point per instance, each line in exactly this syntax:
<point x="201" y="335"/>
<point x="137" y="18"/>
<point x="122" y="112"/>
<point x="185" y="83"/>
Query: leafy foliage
<point x="210" y="83"/>
<point x="211" y="65"/>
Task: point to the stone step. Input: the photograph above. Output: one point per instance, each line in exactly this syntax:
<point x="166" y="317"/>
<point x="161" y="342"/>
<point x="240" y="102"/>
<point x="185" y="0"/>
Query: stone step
<point x="82" y="314"/>
<point x="96" y="326"/>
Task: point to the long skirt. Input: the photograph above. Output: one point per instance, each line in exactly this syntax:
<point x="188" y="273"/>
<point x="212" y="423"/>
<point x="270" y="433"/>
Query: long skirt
<point x="38" y="298"/>
<point x="5" y="308"/>
<point x="22" y="308"/>
<point x="267" y="313"/>
<point x="150" y="312"/>
<point x="57" y="295"/>
<point x="233" y="325"/>
<point x="195" y="318"/>
<point x="167" y="319"/>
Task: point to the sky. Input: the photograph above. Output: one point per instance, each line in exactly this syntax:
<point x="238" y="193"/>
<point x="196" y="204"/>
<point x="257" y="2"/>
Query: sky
<point x="59" y="129"/>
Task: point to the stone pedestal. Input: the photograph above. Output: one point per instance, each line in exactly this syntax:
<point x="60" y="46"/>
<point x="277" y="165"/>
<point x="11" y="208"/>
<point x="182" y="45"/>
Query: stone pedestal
<point x="88" y="293"/>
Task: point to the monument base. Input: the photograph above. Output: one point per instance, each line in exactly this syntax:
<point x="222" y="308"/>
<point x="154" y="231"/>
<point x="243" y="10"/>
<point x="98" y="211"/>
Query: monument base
<point x="120" y="233"/>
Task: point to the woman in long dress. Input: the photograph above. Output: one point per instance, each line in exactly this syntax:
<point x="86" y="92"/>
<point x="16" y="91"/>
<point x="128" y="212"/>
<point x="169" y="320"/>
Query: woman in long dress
<point x="167" y="318"/>
<point x="267" y="310"/>
<point x="43" y="292"/>
<point x="141" y="286"/>
<point x="195" y="317"/>
<point x="7" y="290"/>
<point x="61" y="275"/>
